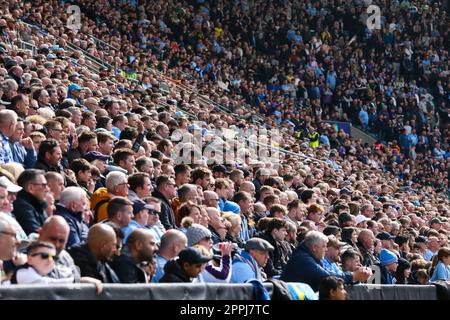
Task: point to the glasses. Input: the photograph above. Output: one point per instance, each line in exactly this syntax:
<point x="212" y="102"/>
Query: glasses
<point x="40" y="184"/>
<point x="45" y="255"/>
<point x="12" y="234"/>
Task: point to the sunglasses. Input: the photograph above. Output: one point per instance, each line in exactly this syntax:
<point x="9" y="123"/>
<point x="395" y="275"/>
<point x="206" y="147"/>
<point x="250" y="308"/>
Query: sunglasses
<point x="44" y="255"/>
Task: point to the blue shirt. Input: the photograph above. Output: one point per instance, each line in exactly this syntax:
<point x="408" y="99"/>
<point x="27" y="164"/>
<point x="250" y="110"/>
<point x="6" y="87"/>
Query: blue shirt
<point x="27" y="157"/>
<point x="160" y="263"/>
<point x="6" y="155"/>
<point x="332" y="266"/>
<point x="441" y="272"/>
<point x="129" y="229"/>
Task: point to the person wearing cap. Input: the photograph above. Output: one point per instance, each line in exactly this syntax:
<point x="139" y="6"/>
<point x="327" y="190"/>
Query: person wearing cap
<point x="332" y="256"/>
<point x="6" y="205"/>
<point x="387" y="241"/>
<point x="345" y="220"/>
<point x="361" y="221"/>
<point x="220" y="171"/>
<point x="436" y="224"/>
<point x="72" y="203"/>
<point x="141" y="212"/>
<point x="248" y="264"/>
<point x="75" y="92"/>
<point x="186" y="267"/>
<point x="388" y="264"/>
<point x="306" y="265"/>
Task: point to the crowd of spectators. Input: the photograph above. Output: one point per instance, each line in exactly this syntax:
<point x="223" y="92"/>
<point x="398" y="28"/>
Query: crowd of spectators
<point x="92" y="188"/>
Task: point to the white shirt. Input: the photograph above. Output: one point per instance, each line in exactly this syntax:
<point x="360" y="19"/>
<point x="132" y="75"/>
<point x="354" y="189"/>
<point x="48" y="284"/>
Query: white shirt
<point x="30" y="276"/>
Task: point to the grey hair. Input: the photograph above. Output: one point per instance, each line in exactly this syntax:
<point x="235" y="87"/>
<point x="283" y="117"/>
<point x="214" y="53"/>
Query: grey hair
<point x="6" y="117"/>
<point x="71" y="194"/>
<point x="185" y="189"/>
<point x="315" y="237"/>
<point x="115" y="178"/>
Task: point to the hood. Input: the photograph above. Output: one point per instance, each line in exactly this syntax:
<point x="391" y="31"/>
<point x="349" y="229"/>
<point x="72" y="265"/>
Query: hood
<point x="174" y="268"/>
<point x="99" y="195"/>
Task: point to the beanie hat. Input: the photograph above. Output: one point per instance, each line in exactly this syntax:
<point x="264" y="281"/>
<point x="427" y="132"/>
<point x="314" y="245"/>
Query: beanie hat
<point x="387" y="257"/>
<point x="195" y="233"/>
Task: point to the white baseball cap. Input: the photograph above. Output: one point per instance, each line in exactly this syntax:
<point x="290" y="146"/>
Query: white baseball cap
<point x="10" y="186"/>
<point x="360" y="218"/>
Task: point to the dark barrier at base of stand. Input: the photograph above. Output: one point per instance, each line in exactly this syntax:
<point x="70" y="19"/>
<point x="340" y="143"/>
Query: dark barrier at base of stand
<point x="197" y="292"/>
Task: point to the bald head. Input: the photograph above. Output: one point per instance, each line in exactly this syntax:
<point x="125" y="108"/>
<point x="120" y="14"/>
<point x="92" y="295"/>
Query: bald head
<point x="249" y="187"/>
<point x="366" y="238"/>
<point x="102" y="241"/>
<point x="55" y="230"/>
<point x="172" y="242"/>
<point x="142" y="245"/>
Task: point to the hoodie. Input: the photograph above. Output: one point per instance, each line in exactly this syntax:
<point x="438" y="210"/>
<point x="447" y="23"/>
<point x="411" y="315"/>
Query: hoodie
<point x="99" y="204"/>
<point x="174" y="273"/>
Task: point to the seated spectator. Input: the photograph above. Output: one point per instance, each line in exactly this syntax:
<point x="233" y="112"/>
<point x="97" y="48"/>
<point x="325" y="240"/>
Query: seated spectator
<point x="140" y="186"/>
<point x="235" y="229"/>
<point x="403" y="271"/>
<point x="275" y="234"/>
<point x="116" y="186"/>
<point x="218" y="269"/>
<point x="141" y="215"/>
<point x="216" y="225"/>
<point x="165" y="191"/>
<point x="93" y="256"/>
<point x="389" y="264"/>
<point x="351" y="260"/>
<point x="186" y="267"/>
<point x="332" y="256"/>
<point x="153" y="222"/>
<point x="29" y="207"/>
<point x="140" y="249"/>
<point x="440" y="269"/>
<point x="172" y="242"/>
<point x="55" y="183"/>
<point x="366" y="242"/>
<point x="120" y="212"/>
<point x="40" y="262"/>
<point x="305" y="264"/>
<point x="8" y="240"/>
<point x="332" y="288"/>
<point x="248" y="264"/>
<point x="72" y="204"/>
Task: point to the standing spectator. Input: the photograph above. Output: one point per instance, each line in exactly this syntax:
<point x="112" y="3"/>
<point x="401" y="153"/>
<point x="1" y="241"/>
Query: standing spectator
<point x="72" y="204"/>
<point x="172" y="242"/>
<point x="186" y="267"/>
<point x="30" y="205"/>
<point x="93" y="256"/>
<point x="8" y="121"/>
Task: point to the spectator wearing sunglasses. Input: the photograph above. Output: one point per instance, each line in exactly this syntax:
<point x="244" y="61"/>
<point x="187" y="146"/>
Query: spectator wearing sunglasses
<point x="30" y="205"/>
<point x="41" y="257"/>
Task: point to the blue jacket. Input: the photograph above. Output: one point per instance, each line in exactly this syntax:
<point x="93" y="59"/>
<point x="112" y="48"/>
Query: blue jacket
<point x="304" y="267"/>
<point x="20" y="154"/>
<point x="78" y="229"/>
<point x="245" y="268"/>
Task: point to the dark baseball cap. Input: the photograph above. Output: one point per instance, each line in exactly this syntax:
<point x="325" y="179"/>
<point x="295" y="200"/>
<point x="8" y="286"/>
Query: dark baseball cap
<point x="435" y="220"/>
<point x="193" y="256"/>
<point x="139" y="204"/>
<point x="421" y="239"/>
<point x="385" y="236"/>
<point x="220" y="168"/>
<point x="95" y="155"/>
<point x="344" y="217"/>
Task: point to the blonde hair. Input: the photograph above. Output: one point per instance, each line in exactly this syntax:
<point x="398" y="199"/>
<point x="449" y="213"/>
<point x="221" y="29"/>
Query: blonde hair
<point x="14" y="168"/>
